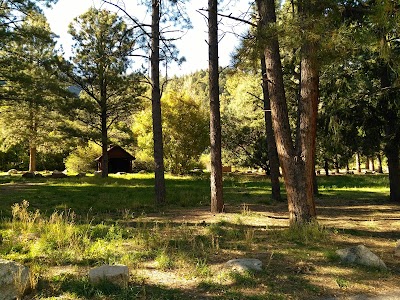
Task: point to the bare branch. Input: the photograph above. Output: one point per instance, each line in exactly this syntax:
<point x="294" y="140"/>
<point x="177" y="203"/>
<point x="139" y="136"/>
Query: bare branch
<point x="231" y="17"/>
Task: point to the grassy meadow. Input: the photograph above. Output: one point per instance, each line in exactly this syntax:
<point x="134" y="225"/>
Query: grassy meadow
<point x="61" y="228"/>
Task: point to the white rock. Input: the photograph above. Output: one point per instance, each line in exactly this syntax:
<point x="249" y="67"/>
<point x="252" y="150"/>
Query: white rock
<point x="244" y="264"/>
<point x="118" y="274"/>
<point x="361" y="255"/>
<point x="12" y="171"/>
<point x="14" y="280"/>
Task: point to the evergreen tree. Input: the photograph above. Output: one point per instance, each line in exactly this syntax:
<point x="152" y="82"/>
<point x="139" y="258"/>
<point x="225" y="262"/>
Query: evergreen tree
<point x="100" y="62"/>
<point x="217" y="201"/>
<point x="31" y="89"/>
<point x="164" y="14"/>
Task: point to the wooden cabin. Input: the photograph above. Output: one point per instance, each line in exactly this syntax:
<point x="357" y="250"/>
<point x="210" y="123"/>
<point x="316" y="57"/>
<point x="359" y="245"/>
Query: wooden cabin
<point x="119" y="160"/>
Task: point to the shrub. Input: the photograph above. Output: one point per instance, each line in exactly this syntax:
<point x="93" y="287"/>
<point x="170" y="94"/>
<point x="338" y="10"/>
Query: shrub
<point x="82" y="159"/>
<point x="185" y="129"/>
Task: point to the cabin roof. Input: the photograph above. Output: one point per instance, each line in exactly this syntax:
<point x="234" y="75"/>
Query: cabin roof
<point x="116" y="151"/>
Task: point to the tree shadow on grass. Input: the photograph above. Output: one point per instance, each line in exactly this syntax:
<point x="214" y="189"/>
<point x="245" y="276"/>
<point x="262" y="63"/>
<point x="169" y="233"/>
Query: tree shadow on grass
<point x="68" y="284"/>
<point x="241" y="286"/>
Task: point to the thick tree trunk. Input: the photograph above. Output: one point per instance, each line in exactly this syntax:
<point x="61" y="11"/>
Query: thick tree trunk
<point x="308" y="110"/>
<point x="392" y="154"/>
<point x="358" y="162"/>
<point x="104" y="144"/>
<point x="271" y="144"/>
<point x="104" y="128"/>
<point x="32" y="158"/>
<point x="156" y="105"/>
<point x="217" y="202"/>
<point x="295" y="169"/>
<point x="392" y="134"/>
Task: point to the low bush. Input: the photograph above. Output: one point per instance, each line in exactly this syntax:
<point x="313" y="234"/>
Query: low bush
<point x="82" y="159"/>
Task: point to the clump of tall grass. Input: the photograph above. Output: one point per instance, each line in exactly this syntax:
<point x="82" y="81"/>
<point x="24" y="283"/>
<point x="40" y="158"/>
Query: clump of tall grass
<point x="304" y="234"/>
<point x="22" y="219"/>
<point x="32" y="235"/>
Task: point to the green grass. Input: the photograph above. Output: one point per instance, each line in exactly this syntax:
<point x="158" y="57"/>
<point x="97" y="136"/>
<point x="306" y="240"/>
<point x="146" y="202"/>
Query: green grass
<point x="79" y="223"/>
<point x="135" y="193"/>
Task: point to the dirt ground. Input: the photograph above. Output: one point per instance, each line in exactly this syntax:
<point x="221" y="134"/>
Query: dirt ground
<point x="373" y="224"/>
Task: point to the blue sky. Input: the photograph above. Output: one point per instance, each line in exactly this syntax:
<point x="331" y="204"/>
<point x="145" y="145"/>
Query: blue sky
<point x="192" y="46"/>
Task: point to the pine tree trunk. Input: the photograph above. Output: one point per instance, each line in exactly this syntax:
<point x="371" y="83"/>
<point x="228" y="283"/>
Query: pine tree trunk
<point x="371" y="164"/>
<point x="392" y="154"/>
<point x="392" y="134"/>
<point x="32" y="158"/>
<point x="271" y="144"/>
<point x="294" y="168"/>
<point x="336" y="165"/>
<point x="104" y="148"/>
<point x="156" y="105"/>
<point x="308" y="110"/>
<point x="33" y="132"/>
<point x="326" y="167"/>
<point x="380" y="168"/>
<point x="104" y="128"/>
<point x="217" y="202"/>
<point x="358" y="162"/>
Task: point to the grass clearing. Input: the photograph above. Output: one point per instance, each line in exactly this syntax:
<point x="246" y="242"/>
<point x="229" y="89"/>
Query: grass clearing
<point x="61" y="228"/>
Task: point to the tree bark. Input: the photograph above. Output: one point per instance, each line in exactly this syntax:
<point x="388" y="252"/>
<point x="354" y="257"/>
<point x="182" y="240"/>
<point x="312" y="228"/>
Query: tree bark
<point x="392" y="154"/>
<point x="326" y="167"/>
<point x="380" y="169"/>
<point x="104" y="128"/>
<point x="392" y="134"/>
<point x="217" y="203"/>
<point x="32" y="158"/>
<point x="271" y="144"/>
<point x="358" y="162"/>
<point x="371" y="164"/>
<point x="308" y="111"/>
<point x="160" y="197"/>
<point x="292" y="159"/>
<point x="104" y="144"/>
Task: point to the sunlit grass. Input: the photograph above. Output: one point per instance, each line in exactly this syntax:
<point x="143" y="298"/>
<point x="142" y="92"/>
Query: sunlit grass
<point x="76" y="223"/>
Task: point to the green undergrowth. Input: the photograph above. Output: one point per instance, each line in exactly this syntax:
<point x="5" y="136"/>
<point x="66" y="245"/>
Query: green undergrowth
<point x="74" y="224"/>
<point x="189" y="250"/>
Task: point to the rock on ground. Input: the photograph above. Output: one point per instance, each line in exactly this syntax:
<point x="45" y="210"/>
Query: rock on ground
<point x="118" y="274"/>
<point x="28" y="175"/>
<point x="14" y="280"/>
<point x="244" y="264"/>
<point x="57" y="174"/>
<point x="361" y="255"/>
<point x="12" y="171"/>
